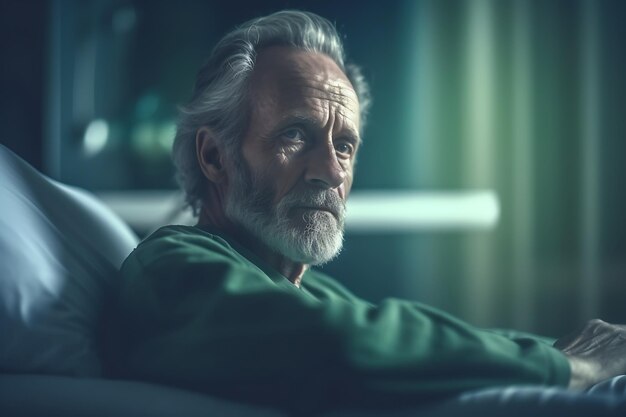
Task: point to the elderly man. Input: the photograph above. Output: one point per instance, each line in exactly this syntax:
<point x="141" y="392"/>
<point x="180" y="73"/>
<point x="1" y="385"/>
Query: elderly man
<point x="265" y="151"/>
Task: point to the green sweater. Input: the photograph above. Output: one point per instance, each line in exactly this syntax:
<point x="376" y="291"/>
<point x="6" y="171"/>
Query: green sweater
<point x="201" y="312"/>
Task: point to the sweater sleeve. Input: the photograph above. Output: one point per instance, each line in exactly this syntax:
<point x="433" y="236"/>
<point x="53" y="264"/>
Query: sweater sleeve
<point x="196" y="316"/>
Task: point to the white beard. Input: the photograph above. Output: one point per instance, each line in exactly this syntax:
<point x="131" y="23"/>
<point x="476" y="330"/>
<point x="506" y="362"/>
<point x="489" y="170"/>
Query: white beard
<point x="313" y="238"/>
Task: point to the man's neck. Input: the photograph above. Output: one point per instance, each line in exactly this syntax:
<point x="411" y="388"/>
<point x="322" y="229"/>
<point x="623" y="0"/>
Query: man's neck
<point x="293" y="271"/>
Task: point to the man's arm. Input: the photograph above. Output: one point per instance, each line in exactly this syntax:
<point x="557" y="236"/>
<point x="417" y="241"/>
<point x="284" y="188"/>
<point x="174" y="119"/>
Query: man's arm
<point x="198" y="316"/>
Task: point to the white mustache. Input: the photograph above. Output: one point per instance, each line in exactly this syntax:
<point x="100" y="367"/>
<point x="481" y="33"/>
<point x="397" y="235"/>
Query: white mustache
<point x="325" y="200"/>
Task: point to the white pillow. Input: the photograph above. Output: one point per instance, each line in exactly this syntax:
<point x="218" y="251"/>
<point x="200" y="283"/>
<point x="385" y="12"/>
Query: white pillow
<point x="60" y="249"/>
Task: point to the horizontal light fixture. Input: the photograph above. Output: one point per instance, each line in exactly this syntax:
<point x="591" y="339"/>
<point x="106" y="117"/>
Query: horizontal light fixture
<point x="402" y="211"/>
<point x="374" y="211"/>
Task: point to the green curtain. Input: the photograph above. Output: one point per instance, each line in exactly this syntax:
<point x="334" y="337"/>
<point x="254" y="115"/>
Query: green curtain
<point x="519" y="97"/>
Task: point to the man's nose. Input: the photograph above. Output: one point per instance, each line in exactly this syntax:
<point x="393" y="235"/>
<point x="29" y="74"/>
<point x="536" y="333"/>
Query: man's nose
<point x="323" y="167"/>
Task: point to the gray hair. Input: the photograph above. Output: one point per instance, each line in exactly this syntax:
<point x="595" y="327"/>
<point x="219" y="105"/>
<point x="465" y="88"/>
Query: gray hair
<point x="219" y="99"/>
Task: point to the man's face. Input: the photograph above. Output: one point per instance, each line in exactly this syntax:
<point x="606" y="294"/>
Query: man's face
<point x="289" y="189"/>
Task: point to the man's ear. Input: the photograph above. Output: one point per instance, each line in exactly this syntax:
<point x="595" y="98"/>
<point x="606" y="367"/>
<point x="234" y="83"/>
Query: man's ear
<point x="209" y="155"/>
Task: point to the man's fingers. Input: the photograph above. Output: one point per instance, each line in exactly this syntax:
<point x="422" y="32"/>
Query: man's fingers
<point x="571" y="338"/>
<point x="588" y="331"/>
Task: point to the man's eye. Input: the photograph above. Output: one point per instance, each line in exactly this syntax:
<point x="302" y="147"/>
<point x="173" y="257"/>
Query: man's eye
<point x="294" y="135"/>
<point x="345" y="148"/>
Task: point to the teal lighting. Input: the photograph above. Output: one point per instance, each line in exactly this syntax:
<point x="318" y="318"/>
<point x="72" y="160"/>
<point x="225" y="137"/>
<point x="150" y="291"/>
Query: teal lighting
<point x="479" y="148"/>
<point x="590" y="150"/>
<point x="522" y="124"/>
<point x="479" y="142"/>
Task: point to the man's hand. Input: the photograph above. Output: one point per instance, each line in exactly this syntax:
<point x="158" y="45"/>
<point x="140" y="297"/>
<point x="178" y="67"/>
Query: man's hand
<point x="596" y="352"/>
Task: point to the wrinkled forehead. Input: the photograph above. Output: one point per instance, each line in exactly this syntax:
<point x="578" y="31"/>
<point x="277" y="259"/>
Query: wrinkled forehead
<point x="290" y="78"/>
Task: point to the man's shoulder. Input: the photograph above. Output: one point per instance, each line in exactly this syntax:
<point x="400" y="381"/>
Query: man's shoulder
<point x="323" y="285"/>
<point x="178" y="249"/>
<point x="190" y="236"/>
<point x="314" y="274"/>
<point x="177" y="242"/>
<point x="176" y="234"/>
